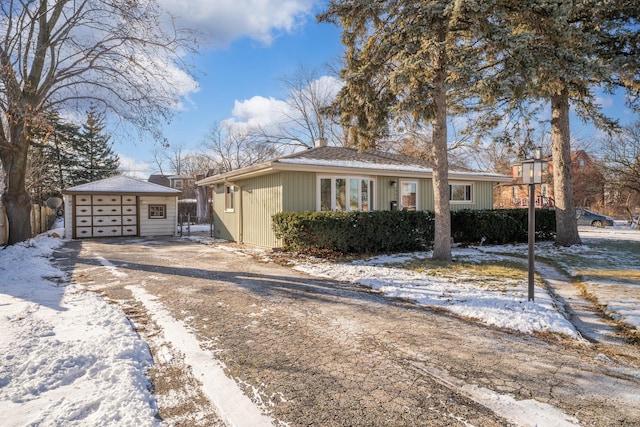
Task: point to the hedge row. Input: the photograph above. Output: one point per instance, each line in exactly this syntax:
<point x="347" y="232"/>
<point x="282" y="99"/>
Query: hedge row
<point x="399" y="231"/>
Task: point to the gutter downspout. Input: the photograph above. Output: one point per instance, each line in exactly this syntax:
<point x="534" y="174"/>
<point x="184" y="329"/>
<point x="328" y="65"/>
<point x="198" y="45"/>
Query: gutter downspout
<point x="240" y="217"/>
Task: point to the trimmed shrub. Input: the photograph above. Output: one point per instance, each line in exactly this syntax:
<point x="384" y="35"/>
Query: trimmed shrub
<point x="402" y="231"/>
<point x="500" y="226"/>
<point x="354" y="232"/>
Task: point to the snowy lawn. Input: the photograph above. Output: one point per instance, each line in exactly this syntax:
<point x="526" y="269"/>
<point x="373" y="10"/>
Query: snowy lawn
<point x="606" y="266"/>
<point x="500" y="302"/>
<point x="607" y="262"/>
<point x="67" y="358"/>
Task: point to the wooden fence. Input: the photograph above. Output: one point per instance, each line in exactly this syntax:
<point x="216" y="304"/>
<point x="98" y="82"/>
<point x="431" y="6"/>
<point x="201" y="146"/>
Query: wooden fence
<point x="42" y="218"/>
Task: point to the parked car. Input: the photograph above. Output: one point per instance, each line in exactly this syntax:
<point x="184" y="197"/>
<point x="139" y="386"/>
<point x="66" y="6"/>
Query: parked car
<point x="586" y="217"/>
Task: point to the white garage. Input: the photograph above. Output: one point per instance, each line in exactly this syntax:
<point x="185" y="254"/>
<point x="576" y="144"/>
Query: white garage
<point x="120" y="206"/>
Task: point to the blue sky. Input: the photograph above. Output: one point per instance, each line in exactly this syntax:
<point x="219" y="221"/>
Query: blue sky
<point x="251" y="45"/>
<point x="243" y="63"/>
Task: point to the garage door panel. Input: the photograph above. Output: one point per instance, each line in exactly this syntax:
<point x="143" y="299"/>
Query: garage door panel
<point x="83" y="210"/>
<point x="129" y="200"/>
<point x="107" y="220"/>
<point x="107" y="231"/>
<point x="129" y="231"/>
<point x="84" y="221"/>
<point x="83" y="200"/>
<point x="129" y="210"/>
<point x="106" y="200"/>
<point x="129" y="220"/>
<point x="83" y="231"/>
<point x="107" y="210"/>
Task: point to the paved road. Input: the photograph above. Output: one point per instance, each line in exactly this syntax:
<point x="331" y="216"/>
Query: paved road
<point x="326" y="353"/>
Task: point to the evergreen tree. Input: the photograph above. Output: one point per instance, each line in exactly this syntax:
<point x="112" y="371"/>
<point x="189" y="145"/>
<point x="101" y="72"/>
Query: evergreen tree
<point x="93" y="151"/>
<point x="51" y="157"/>
<point x="414" y="61"/>
<point x="560" y="52"/>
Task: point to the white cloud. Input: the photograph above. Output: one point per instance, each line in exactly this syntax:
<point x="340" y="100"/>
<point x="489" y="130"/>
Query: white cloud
<point x="259" y="112"/>
<point x="134" y="168"/>
<point x="223" y="21"/>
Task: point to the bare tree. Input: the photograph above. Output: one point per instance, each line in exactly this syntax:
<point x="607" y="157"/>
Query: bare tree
<point x="228" y="148"/>
<point x="621" y="164"/>
<point x="63" y="55"/>
<point x="308" y="115"/>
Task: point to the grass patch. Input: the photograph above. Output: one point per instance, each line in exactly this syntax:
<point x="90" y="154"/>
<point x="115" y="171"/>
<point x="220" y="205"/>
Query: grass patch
<point x="619" y="275"/>
<point x="490" y="273"/>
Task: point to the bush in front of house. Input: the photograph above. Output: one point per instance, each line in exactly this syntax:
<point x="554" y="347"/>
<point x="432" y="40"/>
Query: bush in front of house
<point x="500" y="226"/>
<point x="354" y="232"/>
<point x="401" y="231"/>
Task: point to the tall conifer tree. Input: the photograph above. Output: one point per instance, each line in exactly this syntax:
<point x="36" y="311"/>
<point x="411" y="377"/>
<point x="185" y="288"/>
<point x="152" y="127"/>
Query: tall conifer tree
<point x="95" y="158"/>
<point x="411" y="60"/>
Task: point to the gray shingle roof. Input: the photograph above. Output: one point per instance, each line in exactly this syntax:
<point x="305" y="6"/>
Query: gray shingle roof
<point x="353" y="155"/>
<point x="121" y="184"/>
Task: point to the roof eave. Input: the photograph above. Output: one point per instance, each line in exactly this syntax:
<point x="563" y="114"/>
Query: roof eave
<point x="276" y="166"/>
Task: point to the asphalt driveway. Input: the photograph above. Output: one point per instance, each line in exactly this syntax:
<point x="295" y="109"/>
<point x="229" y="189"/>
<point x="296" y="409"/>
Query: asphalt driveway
<point x="327" y="353"/>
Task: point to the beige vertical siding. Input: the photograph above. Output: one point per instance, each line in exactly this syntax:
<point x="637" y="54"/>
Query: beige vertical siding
<point x="385" y="192"/>
<point x="158" y="227"/>
<point x="482" y="197"/>
<point x="261" y="198"/>
<point x="299" y="191"/>
<point x="225" y="225"/>
<point x="425" y="189"/>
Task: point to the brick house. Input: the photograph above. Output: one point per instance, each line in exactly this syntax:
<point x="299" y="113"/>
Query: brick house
<point x="588" y="185"/>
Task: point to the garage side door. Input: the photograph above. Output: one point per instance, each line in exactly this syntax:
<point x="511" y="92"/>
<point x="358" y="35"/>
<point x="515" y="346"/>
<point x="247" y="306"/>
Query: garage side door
<point x="100" y="215"/>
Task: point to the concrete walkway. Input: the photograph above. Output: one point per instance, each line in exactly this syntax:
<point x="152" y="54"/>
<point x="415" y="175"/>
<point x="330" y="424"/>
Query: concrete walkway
<point x="577" y="309"/>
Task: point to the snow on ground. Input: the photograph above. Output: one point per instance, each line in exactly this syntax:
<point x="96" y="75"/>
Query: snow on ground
<point x="69" y="358"/>
<point x="504" y="305"/>
<point x="607" y="263"/>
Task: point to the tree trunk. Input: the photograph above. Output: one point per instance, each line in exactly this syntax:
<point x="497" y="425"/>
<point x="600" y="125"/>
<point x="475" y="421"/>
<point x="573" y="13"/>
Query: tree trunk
<point x="442" y="237"/>
<point x="566" y="222"/>
<point x="15" y="198"/>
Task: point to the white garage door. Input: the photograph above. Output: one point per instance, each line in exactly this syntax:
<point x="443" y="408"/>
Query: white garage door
<point x="100" y="215"/>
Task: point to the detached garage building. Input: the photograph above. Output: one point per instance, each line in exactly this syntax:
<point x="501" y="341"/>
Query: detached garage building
<point x="120" y="206"/>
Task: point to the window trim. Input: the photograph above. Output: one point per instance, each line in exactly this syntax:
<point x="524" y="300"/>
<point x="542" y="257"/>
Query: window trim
<point x="347" y="178"/>
<point x="164" y="211"/>
<point x="472" y="190"/>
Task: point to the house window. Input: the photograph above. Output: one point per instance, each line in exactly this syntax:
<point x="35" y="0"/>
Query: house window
<point x="544" y="190"/>
<point x="460" y="193"/>
<point x="157" y="211"/>
<point x="581" y="163"/>
<point x="229" y="196"/>
<point x="177" y="183"/>
<point x="349" y="194"/>
<point x="408" y="195"/>
<point x="516" y="191"/>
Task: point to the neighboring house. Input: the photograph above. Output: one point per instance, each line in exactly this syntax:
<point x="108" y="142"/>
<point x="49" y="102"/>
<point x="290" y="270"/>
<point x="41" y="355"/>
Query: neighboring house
<point x="588" y="185"/>
<point x="184" y="183"/>
<point x="120" y="206"/>
<point x="332" y="179"/>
